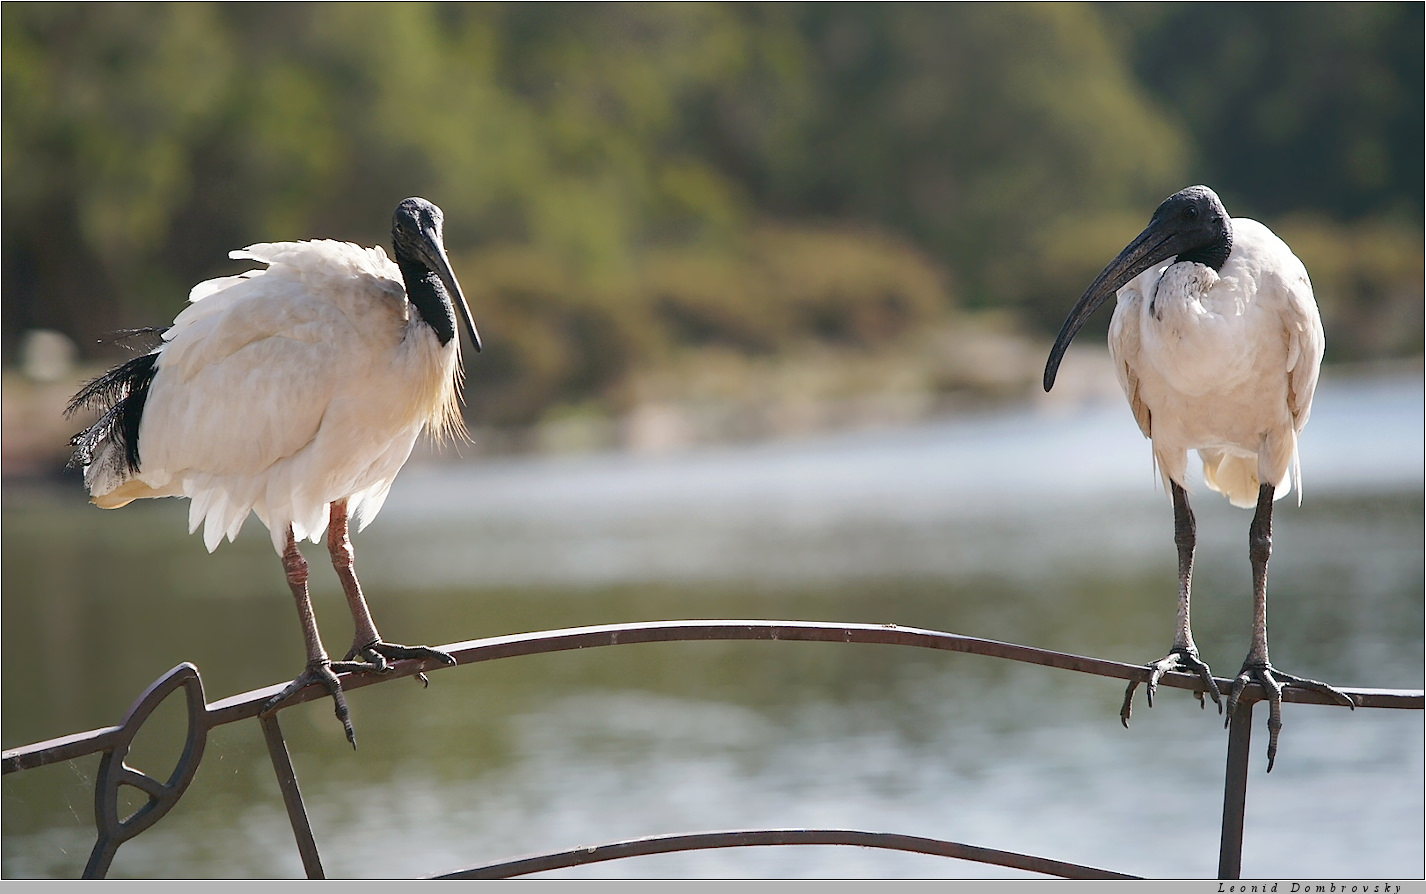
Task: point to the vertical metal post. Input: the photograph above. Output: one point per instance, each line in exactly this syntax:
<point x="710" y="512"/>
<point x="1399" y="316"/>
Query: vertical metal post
<point x="292" y="796"/>
<point x="1235" y="791"/>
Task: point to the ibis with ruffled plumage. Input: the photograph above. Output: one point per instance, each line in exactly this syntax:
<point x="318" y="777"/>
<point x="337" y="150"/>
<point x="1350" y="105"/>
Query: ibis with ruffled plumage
<point x="294" y="392"/>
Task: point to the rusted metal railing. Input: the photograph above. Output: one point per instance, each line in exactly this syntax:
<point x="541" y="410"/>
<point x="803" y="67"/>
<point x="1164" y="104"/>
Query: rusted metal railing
<point x="113" y="743"/>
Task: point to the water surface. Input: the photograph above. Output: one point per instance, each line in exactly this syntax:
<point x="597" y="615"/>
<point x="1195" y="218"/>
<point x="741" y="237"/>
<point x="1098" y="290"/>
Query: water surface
<point x="1044" y="527"/>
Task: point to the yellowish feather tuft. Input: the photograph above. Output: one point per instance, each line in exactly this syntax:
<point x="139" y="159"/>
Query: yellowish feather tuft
<point x="442" y="395"/>
<point x="128" y="491"/>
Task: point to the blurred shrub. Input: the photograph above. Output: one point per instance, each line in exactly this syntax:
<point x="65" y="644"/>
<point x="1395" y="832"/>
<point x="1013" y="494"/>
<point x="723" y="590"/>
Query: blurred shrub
<point x="855" y="289"/>
<point x="1368" y="278"/>
<point x="553" y="340"/>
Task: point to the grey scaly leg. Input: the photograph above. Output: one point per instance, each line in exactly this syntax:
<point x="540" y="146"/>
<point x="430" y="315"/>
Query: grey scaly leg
<point x="1183" y="656"/>
<point x="1256" y="667"/>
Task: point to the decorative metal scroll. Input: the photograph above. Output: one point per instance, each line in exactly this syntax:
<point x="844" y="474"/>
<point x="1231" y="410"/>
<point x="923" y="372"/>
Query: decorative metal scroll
<point x="113" y="772"/>
<point x="114" y="742"/>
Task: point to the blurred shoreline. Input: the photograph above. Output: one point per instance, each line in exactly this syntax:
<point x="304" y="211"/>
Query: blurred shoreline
<point x="708" y="398"/>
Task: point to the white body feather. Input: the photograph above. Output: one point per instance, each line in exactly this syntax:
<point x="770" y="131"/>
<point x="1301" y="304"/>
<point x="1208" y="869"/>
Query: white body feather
<point x="281" y="390"/>
<point x="1225" y="363"/>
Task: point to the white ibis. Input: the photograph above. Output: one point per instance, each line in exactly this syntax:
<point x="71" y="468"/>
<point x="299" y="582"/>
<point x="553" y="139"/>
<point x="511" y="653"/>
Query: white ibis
<point x="294" y="392"/>
<point x="1217" y="343"/>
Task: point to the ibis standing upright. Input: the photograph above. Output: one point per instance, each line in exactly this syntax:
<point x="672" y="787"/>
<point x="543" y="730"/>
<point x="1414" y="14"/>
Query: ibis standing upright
<point x="1217" y="343"/>
<point x="295" y="392"/>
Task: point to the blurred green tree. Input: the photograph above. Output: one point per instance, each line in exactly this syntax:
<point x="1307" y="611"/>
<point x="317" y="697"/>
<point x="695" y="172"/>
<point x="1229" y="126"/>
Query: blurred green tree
<point x="623" y="182"/>
<point x="1292" y="107"/>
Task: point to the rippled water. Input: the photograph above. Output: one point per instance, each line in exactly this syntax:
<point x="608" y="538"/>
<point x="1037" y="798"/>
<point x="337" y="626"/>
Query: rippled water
<point x="1041" y="527"/>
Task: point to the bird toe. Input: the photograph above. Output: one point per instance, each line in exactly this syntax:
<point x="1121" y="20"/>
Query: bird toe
<point x="321" y="673"/>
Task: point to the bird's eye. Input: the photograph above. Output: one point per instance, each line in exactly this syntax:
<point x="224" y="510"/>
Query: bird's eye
<point x="1191" y="212"/>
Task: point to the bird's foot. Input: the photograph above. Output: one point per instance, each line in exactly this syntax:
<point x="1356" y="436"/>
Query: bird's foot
<point x="320" y="672"/>
<point x="375" y="657"/>
<point x="1273" y="680"/>
<point x="1183" y="659"/>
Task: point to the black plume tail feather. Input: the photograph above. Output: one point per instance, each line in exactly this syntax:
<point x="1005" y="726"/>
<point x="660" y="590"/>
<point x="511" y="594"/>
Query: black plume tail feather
<point x="141" y="338"/>
<point x="120" y="395"/>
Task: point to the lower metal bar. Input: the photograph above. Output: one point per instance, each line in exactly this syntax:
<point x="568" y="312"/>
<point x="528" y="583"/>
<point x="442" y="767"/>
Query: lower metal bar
<point x="667" y="844"/>
<point x="292" y="796"/>
<point x="1235" y="792"/>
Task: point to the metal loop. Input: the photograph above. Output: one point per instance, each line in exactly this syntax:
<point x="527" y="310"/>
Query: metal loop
<point x="113" y="772"/>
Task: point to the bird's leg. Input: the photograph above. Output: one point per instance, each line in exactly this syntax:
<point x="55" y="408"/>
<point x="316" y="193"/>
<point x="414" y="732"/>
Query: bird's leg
<point x="1256" y="667"/>
<point x="319" y="666"/>
<point x="369" y="650"/>
<point x="1184" y="654"/>
<point x="339" y="545"/>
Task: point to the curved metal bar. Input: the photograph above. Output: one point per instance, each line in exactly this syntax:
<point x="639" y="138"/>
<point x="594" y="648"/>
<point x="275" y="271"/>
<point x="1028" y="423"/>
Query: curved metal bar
<point x="58" y="750"/>
<point x="115" y="741"/>
<point x="668" y="844"/>
<point x="568" y="639"/>
<point x="249" y="704"/>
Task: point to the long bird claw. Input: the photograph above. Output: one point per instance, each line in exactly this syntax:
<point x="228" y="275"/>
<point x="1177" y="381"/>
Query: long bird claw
<point x="319" y="672"/>
<point x="1273" y="680"/>
<point x="374" y="658"/>
<point x="1182" y="659"/>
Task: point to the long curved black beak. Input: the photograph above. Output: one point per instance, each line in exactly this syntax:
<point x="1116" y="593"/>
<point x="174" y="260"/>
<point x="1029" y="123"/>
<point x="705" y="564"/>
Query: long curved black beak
<point x="441" y="264"/>
<point x="1156" y="243"/>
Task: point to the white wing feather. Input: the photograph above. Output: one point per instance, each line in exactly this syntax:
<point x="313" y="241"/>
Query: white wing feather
<point x="281" y="390"/>
<point x="1306" y="343"/>
<point x="1226" y="365"/>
